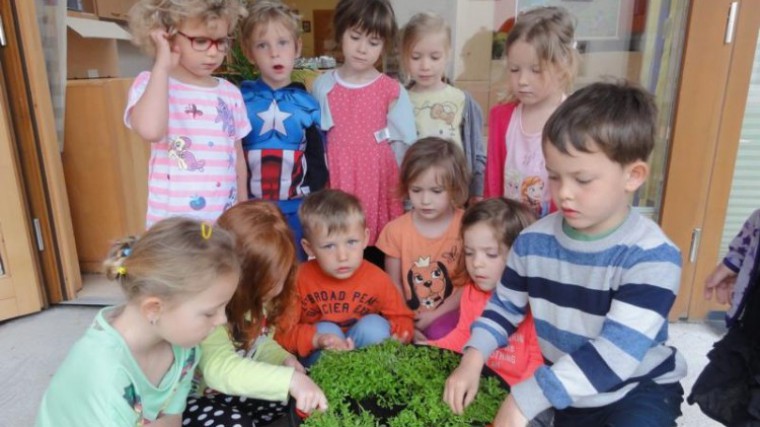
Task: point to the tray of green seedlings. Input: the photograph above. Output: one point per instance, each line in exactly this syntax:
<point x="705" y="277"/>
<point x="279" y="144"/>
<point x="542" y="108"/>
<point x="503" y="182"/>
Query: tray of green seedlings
<point x="397" y="385"/>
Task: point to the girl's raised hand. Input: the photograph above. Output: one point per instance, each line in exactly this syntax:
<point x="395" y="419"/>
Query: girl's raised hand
<point x="166" y="56"/>
<point x="293" y="362"/>
<point x="307" y="394"/>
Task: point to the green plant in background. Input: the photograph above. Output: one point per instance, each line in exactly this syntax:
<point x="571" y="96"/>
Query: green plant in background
<point x="404" y="379"/>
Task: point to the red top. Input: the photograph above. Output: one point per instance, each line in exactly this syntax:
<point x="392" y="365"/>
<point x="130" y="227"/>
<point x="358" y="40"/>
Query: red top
<point x="513" y="363"/>
<point x="498" y="121"/>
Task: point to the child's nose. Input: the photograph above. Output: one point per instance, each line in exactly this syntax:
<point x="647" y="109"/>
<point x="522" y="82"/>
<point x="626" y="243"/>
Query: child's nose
<point x="342" y="253"/>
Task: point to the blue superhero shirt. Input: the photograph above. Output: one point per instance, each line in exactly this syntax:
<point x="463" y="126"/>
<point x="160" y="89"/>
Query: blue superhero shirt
<point x="285" y="150"/>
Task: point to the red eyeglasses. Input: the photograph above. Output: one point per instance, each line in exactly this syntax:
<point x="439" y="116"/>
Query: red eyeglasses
<point x="202" y="44"/>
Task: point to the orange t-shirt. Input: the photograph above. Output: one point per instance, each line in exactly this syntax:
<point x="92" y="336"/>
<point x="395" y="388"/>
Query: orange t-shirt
<point x="323" y="298"/>
<point x="426" y="266"/>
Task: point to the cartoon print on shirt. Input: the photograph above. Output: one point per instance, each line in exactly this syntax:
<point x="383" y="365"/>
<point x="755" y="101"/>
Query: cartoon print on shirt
<point x="179" y="151"/>
<point x="274" y="119"/>
<point x="224" y="115"/>
<point x="512" y="179"/>
<point x="532" y="193"/>
<point x="429" y="284"/>
<point x="445" y="112"/>
<point x="193" y="110"/>
<point x="134" y="401"/>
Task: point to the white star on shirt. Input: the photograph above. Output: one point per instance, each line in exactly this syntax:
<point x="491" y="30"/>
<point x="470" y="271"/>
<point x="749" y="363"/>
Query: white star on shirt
<point x="273" y="119"/>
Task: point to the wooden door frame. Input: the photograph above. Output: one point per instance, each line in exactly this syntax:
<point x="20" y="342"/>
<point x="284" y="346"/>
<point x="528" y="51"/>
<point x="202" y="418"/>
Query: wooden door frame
<point x="38" y="149"/>
<point x="707" y="123"/>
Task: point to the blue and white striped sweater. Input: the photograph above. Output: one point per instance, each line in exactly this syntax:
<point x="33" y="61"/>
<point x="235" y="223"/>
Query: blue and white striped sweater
<point x="600" y="309"/>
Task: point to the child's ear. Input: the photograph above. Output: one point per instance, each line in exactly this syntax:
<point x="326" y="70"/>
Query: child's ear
<point x="636" y="174"/>
<point x="366" y="238"/>
<point x="307" y="248"/>
<point x="151" y="307"/>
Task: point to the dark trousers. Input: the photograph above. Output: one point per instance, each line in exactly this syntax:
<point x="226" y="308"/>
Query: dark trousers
<point x="648" y="405"/>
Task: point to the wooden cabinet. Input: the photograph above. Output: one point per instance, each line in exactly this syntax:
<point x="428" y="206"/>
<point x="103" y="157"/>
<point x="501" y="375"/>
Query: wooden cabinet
<point x="105" y="167"/>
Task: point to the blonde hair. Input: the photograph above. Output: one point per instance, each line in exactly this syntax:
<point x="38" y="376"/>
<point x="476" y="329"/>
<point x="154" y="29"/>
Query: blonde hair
<point x="329" y="210"/>
<point x="419" y="26"/>
<point x="551" y="32"/>
<point x="437" y="152"/>
<point x="148" y="15"/>
<point x="175" y="256"/>
<point x="261" y="13"/>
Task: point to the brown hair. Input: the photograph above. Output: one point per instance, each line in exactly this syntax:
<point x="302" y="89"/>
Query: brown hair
<point x="374" y="17"/>
<point x="268" y="257"/>
<point x="148" y="15"/>
<point x="506" y="218"/>
<point x="175" y="256"/>
<point x="330" y="210"/>
<point x="437" y="152"/>
<point x="419" y="26"/>
<point x="550" y="30"/>
<point x="261" y="13"/>
<point x="620" y="118"/>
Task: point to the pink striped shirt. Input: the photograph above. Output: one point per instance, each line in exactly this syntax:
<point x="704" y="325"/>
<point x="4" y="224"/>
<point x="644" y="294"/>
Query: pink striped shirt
<point x="192" y="170"/>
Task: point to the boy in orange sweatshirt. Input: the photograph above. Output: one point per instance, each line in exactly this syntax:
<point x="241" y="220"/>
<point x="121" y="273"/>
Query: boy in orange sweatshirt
<point x="344" y="302"/>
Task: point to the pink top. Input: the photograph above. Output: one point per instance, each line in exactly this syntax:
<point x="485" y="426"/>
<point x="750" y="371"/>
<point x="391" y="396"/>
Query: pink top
<point x="359" y="163"/>
<point x="513" y="363"/>
<point x="192" y="170"/>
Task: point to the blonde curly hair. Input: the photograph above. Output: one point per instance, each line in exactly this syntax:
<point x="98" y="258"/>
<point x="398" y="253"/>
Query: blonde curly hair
<point x="148" y="15"/>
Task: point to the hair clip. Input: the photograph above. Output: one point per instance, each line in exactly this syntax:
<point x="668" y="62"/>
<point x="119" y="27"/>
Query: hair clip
<point x="126" y="252"/>
<point x="121" y="271"/>
<point x="206" y="230"/>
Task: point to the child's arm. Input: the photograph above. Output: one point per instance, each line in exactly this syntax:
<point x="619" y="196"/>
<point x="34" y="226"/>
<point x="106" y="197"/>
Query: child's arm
<point x="401" y="127"/>
<point x="498" y="121"/>
<point x="226" y="371"/>
<point x="393" y="268"/>
<point x="469" y="310"/>
<point x="394" y="309"/>
<point x="472" y="139"/>
<point x="149" y="117"/>
<point x="241" y="171"/>
<point x="316" y="162"/>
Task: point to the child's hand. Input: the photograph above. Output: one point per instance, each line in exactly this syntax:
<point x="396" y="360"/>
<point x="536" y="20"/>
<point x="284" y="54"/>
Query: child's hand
<point x="419" y="336"/>
<point x="293" y="362"/>
<point x="462" y="385"/>
<point x="333" y="342"/>
<point x="307" y="394"/>
<point x="166" y="56"/>
<point x="509" y="415"/>
<point x="403" y="338"/>
<point x="721" y="281"/>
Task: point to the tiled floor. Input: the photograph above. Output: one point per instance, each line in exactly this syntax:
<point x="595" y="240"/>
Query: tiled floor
<point x="32" y="347"/>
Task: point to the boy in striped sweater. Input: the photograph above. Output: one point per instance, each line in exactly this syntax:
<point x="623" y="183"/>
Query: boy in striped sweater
<point x="598" y="277"/>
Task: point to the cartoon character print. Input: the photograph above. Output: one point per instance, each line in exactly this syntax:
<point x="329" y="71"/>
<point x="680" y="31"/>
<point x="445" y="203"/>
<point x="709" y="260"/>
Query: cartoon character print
<point x="445" y="112"/>
<point x="179" y="151"/>
<point x="224" y="115"/>
<point x="134" y="401"/>
<point x="429" y="284"/>
<point x="532" y="193"/>
<point x="512" y="179"/>
<point x="193" y="110"/>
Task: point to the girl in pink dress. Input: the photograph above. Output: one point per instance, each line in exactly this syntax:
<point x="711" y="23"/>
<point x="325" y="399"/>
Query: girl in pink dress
<point x="367" y="115"/>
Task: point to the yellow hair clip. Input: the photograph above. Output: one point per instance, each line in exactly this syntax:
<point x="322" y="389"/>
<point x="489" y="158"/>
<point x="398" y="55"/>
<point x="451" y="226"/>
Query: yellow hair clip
<point x="121" y="271"/>
<point x="206" y="230"/>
